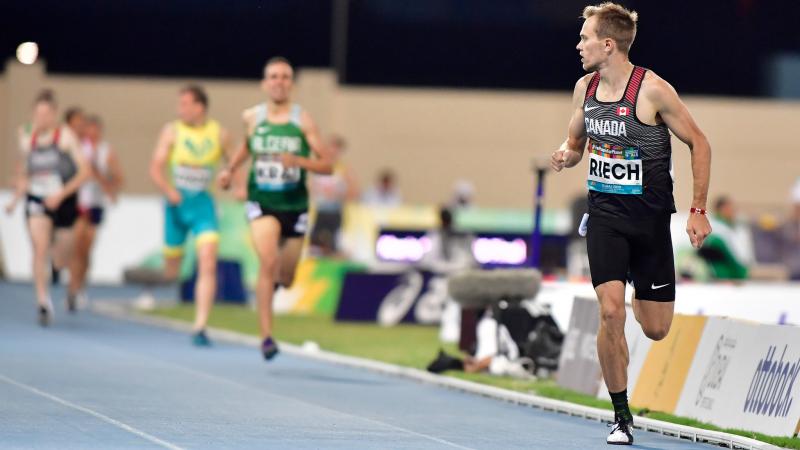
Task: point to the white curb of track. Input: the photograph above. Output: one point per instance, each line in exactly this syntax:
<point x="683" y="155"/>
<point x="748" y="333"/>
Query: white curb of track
<point x="120" y="311"/>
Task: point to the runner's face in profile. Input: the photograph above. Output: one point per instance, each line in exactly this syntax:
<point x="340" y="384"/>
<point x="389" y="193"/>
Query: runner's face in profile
<point x="44" y="116"/>
<point x="590" y="46"/>
<point x="278" y="82"/>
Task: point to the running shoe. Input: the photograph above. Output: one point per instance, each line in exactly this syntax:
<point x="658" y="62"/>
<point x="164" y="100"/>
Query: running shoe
<point x="72" y="303"/>
<point x="621" y="432"/>
<point x="269" y="348"/>
<point x="46" y="314"/>
<point x="55" y="275"/>
<point x="200" y="339"/>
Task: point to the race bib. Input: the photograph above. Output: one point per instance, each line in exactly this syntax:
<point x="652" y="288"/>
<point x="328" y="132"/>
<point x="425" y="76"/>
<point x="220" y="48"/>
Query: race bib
<point x="271" y="175"/>
<point x="615" y="169"/>
<point x="44" y="184"/>
<point x="192" y="178"/>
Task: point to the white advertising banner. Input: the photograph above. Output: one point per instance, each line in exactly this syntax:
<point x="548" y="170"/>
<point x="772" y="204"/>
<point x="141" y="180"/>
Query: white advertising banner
<point x="745" y="375"/>
<point x="131" y="230"/>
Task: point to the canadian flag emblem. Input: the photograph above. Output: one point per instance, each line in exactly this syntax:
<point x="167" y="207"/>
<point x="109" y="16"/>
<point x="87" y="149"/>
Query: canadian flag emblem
<point x="622" y="111"/>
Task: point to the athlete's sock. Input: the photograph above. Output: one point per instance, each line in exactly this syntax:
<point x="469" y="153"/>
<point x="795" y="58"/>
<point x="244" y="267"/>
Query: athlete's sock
<point x="55" y="275"/>
<point x="620" y="401"/>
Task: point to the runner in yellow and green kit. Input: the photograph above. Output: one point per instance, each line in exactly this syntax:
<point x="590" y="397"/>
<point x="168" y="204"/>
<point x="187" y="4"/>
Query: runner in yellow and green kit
<point x="191" y="148"/>
<point x="281" y="140"/>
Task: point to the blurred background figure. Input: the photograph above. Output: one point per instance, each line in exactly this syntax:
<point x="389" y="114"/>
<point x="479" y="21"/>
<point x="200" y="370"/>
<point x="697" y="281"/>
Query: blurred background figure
<point x="463" y="195"/>
<point x="330" y="193"/>
<point x="190" y="149"/>
<point x="75" y="119"/>
<point x="729" y="250"/>
<point x="385" y="192"/>
<point x="104" y="182"/>
<point x="54" y="169"/>
<point x="791" y="236"/>
<point x="450" y="250"/>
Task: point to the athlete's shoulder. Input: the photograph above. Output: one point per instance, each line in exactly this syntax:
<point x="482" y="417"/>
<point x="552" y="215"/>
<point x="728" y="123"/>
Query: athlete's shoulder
<point x="67" y="137"/>
<point x="169" y="131"/>
<point x="170" y="128"/>
<point x="655" y="88"/>
<point x="581" y="86"/>
<point x="24" y="137"/>
<point x="250" y="113"/>
<point x="583" y="83"/>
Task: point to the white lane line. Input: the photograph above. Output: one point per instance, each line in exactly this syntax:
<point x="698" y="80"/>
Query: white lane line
<point x="250" y="389"/>
<point x="91" y="412"/>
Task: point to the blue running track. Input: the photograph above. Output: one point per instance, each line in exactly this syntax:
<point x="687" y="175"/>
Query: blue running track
<point x="90" y="382"/>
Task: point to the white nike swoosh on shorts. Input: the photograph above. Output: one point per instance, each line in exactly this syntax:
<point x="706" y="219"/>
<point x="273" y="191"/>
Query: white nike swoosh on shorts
<point x="653" y="286"/>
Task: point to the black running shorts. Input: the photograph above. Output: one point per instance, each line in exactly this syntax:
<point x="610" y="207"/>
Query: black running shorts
<point x="63" y="217"/>
<point x="633" y="250"/>
<point x="293" y="223"/>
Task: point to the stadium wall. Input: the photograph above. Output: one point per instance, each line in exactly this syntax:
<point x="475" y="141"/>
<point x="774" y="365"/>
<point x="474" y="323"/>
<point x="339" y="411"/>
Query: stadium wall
<point x="430" y="137"/>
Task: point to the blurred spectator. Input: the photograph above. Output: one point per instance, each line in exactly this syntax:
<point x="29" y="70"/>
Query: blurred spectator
<point x="463" y="194"/>
<point x="767" y="245"/>
<point x="75" y="119"/>
<point x="728" y="250"/>
<point x="791" y="236"/>
<point x="330" y="192"/>
<point x="450" y="250"/>
<point x="497" y="353"/>
<point x="385" y="192"/>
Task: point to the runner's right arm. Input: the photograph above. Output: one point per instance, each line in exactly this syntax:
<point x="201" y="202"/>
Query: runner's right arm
<point x="237" y="158"/>
<point x="571" y="151"/>
<point x="112" y="183"/>
<point x="20" y="176"/>
<point x="159" y="163"/>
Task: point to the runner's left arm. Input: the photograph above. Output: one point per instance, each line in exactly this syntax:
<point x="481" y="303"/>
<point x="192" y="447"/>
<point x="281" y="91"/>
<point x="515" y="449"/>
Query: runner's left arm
<point x="238" y="157"/>
<point x="678" y="119"/>
<point x="112" y="183"/>
<point x="323" y="163"/>
<point x="73" y="147"/>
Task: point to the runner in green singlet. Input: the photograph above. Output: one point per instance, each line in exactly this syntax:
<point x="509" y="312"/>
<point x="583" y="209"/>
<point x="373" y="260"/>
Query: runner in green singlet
<point x="284" y="144"/>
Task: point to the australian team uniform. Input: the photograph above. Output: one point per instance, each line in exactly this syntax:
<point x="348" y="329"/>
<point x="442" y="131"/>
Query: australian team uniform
<point x="194" y="158"/>
<point x="630" y="194"/>
<point x="49" y="168"/>
<point x="272" y="189"/>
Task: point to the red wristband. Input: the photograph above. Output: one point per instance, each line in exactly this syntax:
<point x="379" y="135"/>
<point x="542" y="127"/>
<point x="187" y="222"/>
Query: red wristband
<point x="697" y="211"/>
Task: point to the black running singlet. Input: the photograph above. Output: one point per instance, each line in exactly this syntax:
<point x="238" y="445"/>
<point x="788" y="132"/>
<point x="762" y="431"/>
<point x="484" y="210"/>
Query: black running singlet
<point x="630" y="162"/>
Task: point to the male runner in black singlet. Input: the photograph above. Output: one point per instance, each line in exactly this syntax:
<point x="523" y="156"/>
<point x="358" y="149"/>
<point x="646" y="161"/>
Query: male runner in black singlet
<point x="626" y="114"/>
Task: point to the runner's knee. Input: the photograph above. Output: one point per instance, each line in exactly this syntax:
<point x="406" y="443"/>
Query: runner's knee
<point x="655" y="332"/>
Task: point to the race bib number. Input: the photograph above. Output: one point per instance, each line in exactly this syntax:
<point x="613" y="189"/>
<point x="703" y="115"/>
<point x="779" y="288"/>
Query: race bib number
<point x="45" y="184"/>
<point x="192" y="178"/>
<point x="614" y="169"/>
<point x="271" y="175"/>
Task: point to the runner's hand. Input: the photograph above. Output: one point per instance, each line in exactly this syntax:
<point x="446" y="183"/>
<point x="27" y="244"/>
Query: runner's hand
<point x="10" y="206"/>
<point x="559" y="159"/>
<point x="53" y="202"/>
<point x="240" y="193"/>
<point x="224" y="178"/>
<point x="174" y="197"/>
<point x="289" y="160"/>
<point x="698" y="228"/>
